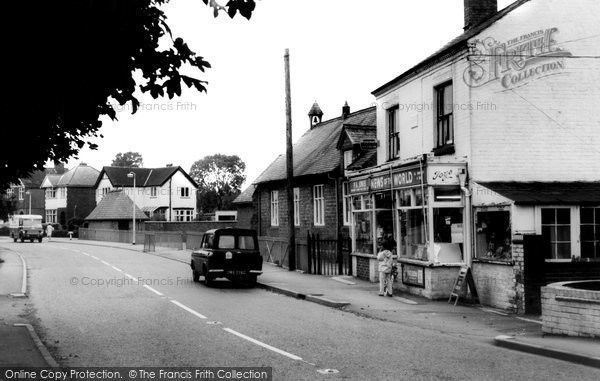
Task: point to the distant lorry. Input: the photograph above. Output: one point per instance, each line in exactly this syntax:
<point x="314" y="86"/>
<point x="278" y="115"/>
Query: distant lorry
<point x="26" y="227"/>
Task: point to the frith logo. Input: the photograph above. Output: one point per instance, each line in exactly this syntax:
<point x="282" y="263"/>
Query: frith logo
<point x="516" y="62"/>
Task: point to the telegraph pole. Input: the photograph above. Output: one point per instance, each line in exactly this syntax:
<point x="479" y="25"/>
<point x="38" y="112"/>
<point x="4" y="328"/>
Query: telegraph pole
<point x="290" y="165"/>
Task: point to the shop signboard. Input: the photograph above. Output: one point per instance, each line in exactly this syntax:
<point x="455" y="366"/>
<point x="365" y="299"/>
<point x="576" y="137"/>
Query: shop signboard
<point x="413" y="275"/>
<point x="444" y="174"/>
<point x="400" y="178"/>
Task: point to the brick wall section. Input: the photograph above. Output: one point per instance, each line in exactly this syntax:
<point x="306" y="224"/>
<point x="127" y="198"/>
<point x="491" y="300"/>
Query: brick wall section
<point x="193" y="226"/>
<point x="572" y="312"/>
<point x="495" y="284"/>
<point x="519" y="283"/>
<point x="362" y="268"/>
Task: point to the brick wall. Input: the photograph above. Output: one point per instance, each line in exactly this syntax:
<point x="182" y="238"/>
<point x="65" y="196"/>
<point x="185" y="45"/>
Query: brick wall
<point x="572" y="312"/>
<point x="192" y="226"/>
<point x="495" y="284"/>
<point x="361" y="267"/>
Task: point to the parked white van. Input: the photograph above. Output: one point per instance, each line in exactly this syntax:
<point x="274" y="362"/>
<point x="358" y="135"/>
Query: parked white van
<point x="26" y="226"/>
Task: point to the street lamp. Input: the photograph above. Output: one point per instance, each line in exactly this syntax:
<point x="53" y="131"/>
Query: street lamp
<point x="29" y="193"/>
<point x="131" y="174"/>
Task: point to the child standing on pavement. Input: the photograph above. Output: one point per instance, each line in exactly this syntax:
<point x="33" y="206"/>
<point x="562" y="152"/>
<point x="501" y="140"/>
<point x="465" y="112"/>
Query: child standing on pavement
<point x="385" y="268"/>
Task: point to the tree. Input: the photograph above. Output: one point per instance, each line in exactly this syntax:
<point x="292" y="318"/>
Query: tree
<point x="8" y="205"/>
<point x="219" y="178"/>
<point x="128" y="159"/>
<point x="72" y="60"/>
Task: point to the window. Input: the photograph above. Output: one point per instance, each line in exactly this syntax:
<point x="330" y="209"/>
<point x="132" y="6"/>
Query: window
<point x="348" y="158"/>
<point x="184" y="215"/>
<point x="393" y="133"/>
<point x="207" y="241"/>
<point x="21" y="193"/>
<point x="297" y="206"/>
<point x="184" y="192"/>
<point x="246" y="242"/>
<point x="274" y="208"/>
<point x="445" y="122"/>
<point x="9" y="193"/>
<point x="105" y="191"/>
<point x="362" y="209"/>
<point x="226" y="242"/>
<point x="153" y="192"/>
<point x="556" y="230"/>
<point x="493" y="235"/>
<point x="63" y="192"/>
<point x="319" y="205"/>
<point x="411" y="223"/>
<point x="590" y="232"/>
<point x="50" y="192"/>
<point x="51" y="216"/>
<point x="347" y="203"/>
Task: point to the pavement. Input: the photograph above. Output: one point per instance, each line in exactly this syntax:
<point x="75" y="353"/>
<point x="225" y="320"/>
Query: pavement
<point x="19" y="345"/>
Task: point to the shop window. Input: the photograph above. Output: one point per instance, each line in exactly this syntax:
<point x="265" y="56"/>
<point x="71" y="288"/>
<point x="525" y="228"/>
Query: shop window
<point x="362" y="210"/>
<point x="493" y="235"/>
<point x="412" y="226"/>
<point x="447" y="194"/>
<point x="384" y="218"/>
<point x="590" y="232"/>
<point x="448" y="234"/>
<point x="556" y="231"/>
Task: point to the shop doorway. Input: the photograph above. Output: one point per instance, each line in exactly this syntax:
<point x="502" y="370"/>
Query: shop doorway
<point x="534" y="248"/>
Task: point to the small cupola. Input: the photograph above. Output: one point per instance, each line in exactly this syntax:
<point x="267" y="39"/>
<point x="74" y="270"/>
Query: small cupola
<point x="315" y="114"/>
<point x="345" y="110"/>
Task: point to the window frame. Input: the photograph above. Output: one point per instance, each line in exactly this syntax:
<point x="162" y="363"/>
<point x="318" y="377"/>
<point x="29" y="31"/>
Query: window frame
<point x="184" y="215"/>
<point x="441" y="140"/>
<point x="346" y="204"/>
<point x="184" y="192"/>
<point x="153" y="192"/>
<point x="51" y="216"/>
<point x="296" y="206"/>
<point x="274" y="202"/>
<point x="319" y="205"/>
<point x="51" y="192"/>
<point x="21" y="194"/>
<point x="393" y="132"/>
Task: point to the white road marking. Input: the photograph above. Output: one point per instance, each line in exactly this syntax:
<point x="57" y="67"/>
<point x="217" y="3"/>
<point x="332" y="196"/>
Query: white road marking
<point x="116" y="268"/>
<point x="153" y="290"/>
<point x="188" y="309"/>
<point x="106" y="263"/>
<point x="93" y="256"/>
<point x="130" y="277"/>
<point x="493" y="311"/>
<point x="267" y="346"/>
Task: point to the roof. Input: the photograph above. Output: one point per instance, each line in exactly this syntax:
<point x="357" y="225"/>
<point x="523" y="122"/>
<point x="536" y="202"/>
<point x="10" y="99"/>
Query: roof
<point x="357" y="134"/>
<point x="315" y="110"/>
<point x="34" y="180"/>
<point x="365" y="160"/>
<point x="81" y="176"/>
<point x="144" y="177"/>
<point x="115" y="205"/>
<point x="546" y="193"/>
<point x="246" y="196"/>
<point x="457" y="44"/>
<point x="53" y="179"/>
<point x="316" y="151"/>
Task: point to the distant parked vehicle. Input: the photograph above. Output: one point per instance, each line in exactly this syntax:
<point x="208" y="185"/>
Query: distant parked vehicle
<point x="26" y="227"/>
<point x="227" y="253"/>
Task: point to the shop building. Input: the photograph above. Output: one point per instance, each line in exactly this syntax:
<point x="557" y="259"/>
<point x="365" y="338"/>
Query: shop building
<point x="488" y="156"/>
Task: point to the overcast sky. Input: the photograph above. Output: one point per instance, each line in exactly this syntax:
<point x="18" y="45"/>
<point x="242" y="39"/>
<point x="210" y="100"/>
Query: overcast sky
<point x="340" y="50"/>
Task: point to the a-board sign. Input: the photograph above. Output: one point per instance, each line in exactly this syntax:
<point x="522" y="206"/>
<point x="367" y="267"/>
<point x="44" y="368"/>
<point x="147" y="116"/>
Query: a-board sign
<point x="464" y="273"/>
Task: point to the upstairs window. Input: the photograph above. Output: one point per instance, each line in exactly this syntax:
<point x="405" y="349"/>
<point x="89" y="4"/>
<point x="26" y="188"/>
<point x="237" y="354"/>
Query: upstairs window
<point x="184" y="192"/>
<point x="445" y="119"/>
<point x="153" y="192"/>
<point x="21" y="191"/>
<point x="50" y="192"/>
<point x="393" y="133"/>
<point x="63" y="192"/>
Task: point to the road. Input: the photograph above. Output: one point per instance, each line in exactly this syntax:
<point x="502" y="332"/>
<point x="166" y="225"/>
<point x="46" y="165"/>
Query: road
<point x="99" y="306"/>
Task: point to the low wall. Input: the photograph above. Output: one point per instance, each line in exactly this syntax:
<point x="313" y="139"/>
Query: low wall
<point x="496" y="286"/>
<point x="570" y="311"/>
<point x="192" y="226"/>
<point x="173" y="239"/>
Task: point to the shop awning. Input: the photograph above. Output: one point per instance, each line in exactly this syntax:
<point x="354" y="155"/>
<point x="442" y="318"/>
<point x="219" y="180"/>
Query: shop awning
<point x="542" y="193"/>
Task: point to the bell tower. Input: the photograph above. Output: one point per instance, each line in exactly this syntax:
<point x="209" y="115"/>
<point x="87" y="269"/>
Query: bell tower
<point x="315" y="114"/>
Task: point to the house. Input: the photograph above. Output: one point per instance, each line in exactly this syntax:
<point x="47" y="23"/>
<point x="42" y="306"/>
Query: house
<point x="70" y="196"/>
<point x="114" y="212"/>
<point x="488" y="157"/>
<point x="320" y="189"/>
<point x="167" y="193"/>
<point x="28" y="195"/>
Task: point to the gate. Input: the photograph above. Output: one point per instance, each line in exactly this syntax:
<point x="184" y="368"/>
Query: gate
<point x="329" y="256"/>
<point x="534" y="247"/>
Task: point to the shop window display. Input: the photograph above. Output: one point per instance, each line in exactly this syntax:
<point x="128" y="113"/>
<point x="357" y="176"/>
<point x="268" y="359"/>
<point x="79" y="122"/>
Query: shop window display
<point x="448" y="234"/>
<point x="412" y="226"/>
<point x="363" y="234"/>
<point x="492" y="235"/>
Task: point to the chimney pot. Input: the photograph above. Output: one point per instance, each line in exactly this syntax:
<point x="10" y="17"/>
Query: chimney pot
<point x="345" y="110"/>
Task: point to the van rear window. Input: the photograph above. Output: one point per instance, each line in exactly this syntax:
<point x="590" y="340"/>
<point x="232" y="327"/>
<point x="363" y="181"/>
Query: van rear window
<point x="246" y="242"/>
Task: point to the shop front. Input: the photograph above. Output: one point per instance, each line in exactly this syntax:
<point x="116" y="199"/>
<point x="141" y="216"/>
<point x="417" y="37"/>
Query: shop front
<point x="421" y="206"/>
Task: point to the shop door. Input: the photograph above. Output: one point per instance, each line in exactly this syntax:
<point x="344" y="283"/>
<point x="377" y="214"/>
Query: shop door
<point x="533" y="272"/>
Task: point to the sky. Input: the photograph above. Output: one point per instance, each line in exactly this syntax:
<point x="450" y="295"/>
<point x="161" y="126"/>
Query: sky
<point x="340" y="50"/>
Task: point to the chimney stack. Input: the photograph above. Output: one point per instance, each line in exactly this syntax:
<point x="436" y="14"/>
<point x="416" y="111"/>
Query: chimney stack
<point x="345" y="110"/>
<point x="477" y="11"/>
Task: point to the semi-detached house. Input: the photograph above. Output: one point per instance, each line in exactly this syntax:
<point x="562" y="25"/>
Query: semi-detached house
<point x="166" y="193"/>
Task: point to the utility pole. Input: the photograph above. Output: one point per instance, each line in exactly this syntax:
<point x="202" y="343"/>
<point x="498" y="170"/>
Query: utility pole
<point x="290" y="165"/>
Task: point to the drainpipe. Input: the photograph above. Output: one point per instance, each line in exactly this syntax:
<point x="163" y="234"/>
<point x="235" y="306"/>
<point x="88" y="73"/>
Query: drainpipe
<point x="467" y="225"/>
